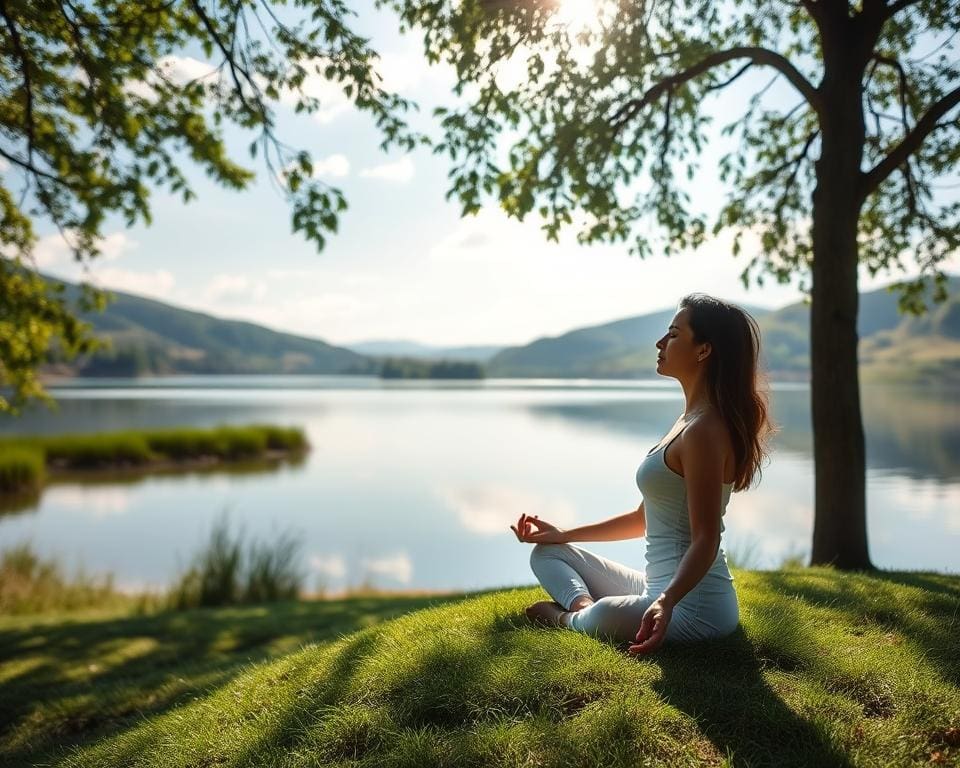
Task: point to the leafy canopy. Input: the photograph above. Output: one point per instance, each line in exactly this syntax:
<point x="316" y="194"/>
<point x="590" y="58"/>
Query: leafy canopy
<point x="612" y="117"/>
<point x="97" y="109"/>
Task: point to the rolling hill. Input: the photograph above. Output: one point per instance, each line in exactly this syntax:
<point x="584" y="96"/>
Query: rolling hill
<point x="150" y="337"/>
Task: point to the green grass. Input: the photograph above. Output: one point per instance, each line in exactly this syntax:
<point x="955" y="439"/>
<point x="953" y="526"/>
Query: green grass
<point x="827" y="669"/>
<point x="230" y="571"/>
<point x="21" y="470"/>
<point x="30" y="584"/>
<point x="24" y="458"/>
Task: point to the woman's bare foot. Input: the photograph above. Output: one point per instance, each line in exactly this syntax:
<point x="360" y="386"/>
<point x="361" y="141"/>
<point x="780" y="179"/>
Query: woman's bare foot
<point x="547" y="613"/>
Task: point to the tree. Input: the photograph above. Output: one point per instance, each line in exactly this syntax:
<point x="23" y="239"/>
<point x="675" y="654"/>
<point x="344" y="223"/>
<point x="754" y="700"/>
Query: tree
<point x="95" y="110"/>
<point x="843" y="176"/>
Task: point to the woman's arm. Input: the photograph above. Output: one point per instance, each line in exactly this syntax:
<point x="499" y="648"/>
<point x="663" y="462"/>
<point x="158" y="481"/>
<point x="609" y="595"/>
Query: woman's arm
<point x="630" y="525"/>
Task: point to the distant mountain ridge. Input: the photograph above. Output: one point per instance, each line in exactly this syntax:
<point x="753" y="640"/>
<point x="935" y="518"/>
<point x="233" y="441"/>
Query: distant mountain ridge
<point x="889" y="347"/>
<point x="402" y="348"/>
<point x="151" y="337"/>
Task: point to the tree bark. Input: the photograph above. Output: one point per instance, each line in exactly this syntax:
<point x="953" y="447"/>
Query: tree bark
<point x="840" y="520"/>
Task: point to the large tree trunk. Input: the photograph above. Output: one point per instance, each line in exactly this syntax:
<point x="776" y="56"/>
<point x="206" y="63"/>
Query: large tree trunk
<point x="840" y="521"/>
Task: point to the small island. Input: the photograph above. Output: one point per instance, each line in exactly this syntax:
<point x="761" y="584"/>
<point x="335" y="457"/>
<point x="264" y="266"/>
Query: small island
<point x="27" y="462"/>
<point x="414" y="368"/>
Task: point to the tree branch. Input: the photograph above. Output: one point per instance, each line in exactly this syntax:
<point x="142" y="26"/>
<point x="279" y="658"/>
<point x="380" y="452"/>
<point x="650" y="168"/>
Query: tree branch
<point x="910" y="144"/>
<point x="756" y="55"/>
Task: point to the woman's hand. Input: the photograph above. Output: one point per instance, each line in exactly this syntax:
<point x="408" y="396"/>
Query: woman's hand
<point x="545" y="533"/>
<point x="653" y="626"/>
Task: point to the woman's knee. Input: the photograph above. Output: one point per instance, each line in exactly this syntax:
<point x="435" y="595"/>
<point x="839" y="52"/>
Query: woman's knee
<point x="617" y="617"/>
<point x="546" y="551"/>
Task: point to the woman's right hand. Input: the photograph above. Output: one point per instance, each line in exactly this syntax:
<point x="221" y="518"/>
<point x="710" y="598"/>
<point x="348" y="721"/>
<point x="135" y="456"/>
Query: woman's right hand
<point x="545" y="533"/>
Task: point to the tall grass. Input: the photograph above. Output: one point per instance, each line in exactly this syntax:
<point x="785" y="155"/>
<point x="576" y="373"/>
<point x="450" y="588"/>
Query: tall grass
<point x="23" y="460"/>
<point x="21" y="469"/>
<point x="30" y="584"/>
<point x="229" y="571"/>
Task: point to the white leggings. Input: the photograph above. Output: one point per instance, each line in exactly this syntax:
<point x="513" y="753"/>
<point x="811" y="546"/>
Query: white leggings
<point x="621" y="596"/>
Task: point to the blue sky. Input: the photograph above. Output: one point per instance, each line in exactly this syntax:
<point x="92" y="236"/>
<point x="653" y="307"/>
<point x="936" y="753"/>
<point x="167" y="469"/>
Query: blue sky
<point x="404" y="264"/>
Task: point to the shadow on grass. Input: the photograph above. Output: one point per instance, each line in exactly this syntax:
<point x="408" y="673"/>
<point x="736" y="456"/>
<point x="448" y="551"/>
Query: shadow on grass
<point x="865" y="600"/>
<point x="721" y="686"/>
<point x="70" y="680"/>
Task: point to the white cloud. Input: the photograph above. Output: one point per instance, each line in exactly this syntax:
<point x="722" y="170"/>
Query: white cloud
<point x="180" y="70"/>
<point x="158" y="284"/>
<point x="397" y="567"/>
<point x="490" y="510"/>
<point x="230" y="288"/>
<point x="332" y="566"/>
<point x="97" y="503"/>
<point x="400" y="171"/>
<point x="336" y="165"/>
<point x="4" y="165"/>
<point x="54" y="251"/>
<point x="333" y="101"/>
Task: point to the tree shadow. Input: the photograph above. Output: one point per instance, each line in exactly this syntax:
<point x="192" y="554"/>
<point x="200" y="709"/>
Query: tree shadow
<point x="938" y="596"/>
<point x="134" y="667"/>
<point x="720" y="684"/>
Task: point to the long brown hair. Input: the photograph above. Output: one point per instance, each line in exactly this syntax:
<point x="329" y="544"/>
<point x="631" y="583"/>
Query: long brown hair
<point x="738" y="388"/>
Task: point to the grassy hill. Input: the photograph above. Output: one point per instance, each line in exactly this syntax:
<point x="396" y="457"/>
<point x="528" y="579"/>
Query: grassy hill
<point x="826" y="669"/>
<point x="892" y="346"/>
<point x="150" y="337"/>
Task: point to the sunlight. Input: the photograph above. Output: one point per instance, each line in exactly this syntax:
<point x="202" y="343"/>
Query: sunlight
<point x="579" y="15"/>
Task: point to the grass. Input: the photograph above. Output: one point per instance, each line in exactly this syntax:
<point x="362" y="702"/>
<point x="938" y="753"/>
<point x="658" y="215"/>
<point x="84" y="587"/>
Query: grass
<point x="23" y="459"/>
<point x="228" y="571"/>
<point x="827" y="669"/>
<point x="30" y="584"/>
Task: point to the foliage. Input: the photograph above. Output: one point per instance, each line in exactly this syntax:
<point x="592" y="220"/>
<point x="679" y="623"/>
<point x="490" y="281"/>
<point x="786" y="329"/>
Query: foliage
<point x="98" y="109"/>
<point x="228" y="572"/>
<point x="607" y="126"/>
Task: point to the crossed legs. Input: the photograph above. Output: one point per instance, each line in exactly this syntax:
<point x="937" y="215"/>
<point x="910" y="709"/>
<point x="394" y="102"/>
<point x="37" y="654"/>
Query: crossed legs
<point x="592" y="594"/>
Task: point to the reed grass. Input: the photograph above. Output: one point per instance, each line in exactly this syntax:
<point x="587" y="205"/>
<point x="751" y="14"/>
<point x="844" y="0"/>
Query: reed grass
<point x="32" y="584"/>
<point x="24" y="459"/>
<point x="21" y="469"/>
<point x="227" y="570"/>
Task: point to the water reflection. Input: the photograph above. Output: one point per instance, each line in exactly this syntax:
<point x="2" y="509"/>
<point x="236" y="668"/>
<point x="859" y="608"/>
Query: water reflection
<point x="415" y="486"/>
<point x="911" y="432"/>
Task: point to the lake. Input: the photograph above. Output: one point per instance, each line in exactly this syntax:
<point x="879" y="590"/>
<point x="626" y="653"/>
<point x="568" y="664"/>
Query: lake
<point x="412" y="485"/>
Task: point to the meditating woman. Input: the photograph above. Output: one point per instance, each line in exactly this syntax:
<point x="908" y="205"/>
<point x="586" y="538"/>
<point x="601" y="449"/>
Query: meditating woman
<point x="716" y="446"/>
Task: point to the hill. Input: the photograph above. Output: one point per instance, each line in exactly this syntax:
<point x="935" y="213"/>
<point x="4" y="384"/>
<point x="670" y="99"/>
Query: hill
<point x="893" y="346"/>
<point x="826" y="668"/>
<point x="150" y="337"/>
<point x="401" y="348"/>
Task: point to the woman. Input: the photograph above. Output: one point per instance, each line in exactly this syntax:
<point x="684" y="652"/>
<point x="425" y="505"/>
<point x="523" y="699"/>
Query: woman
<point x="715" y="447"/>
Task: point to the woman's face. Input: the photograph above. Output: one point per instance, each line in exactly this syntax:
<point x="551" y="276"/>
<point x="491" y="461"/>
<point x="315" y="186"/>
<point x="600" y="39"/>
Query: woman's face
<point x="679" y="355"/>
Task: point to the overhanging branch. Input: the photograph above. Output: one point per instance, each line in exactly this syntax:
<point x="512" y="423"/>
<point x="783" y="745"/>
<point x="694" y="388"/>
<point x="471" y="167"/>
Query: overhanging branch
<point x="910" y="144"/>
<point x="756" y="55"/>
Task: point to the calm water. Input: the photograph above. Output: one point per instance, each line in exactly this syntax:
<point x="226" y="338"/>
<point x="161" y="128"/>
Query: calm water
<point x="413" y="485"/>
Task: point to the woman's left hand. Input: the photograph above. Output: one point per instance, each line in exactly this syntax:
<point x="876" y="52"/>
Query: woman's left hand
<point x="653" y="626"/>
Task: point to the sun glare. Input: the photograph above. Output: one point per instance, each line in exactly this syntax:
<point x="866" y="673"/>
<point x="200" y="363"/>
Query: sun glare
<point x="579" y="15"/>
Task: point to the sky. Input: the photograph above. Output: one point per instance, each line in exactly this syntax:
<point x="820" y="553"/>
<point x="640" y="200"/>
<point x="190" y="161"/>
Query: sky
<point x="404" y="264"/>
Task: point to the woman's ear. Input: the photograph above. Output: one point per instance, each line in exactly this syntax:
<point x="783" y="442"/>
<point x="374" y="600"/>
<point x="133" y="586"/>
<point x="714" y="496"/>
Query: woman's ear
<point x="704" y="352"/>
